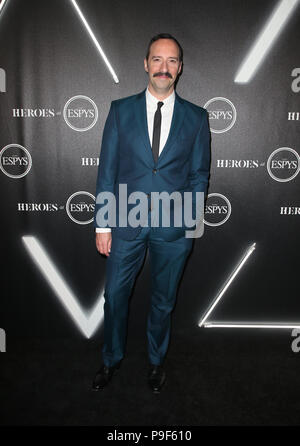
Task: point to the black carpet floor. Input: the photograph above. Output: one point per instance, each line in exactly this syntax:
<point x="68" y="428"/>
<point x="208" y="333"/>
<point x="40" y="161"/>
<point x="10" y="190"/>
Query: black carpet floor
<point x="214" y="377"/>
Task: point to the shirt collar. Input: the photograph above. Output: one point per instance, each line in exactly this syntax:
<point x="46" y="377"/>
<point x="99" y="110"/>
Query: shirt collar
<point x="152" y="100"/>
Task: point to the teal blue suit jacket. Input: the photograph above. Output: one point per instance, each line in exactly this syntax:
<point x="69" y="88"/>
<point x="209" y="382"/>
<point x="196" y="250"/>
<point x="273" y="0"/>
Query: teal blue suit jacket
<point x="126" y="158"/>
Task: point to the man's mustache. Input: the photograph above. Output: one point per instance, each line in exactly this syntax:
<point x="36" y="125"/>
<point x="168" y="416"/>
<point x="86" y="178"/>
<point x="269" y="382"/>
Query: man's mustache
<point x="162" y="74"/>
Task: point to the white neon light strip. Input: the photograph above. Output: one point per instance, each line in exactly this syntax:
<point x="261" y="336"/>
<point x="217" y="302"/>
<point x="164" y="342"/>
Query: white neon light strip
<point x="266" y="39"/>
<point x="86" y="321"/>
<point x="228" y="282"/>
<point x="92" y="35"/>
<point x="252" y="325"/>
<point x="2" y="5"/>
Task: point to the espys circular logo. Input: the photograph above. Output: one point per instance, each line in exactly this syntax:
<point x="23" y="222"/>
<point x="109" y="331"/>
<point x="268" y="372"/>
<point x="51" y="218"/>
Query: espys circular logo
<point x="222" y="114"/>
<point x="283" y="164"/>
<point x="80" y="207"/>
<point x="80" y="113"/>
<point x="15" y="161"/>
<point x="217" y="210"/>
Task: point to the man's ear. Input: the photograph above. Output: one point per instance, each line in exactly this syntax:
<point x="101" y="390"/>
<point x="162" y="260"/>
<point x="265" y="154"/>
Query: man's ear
<point x="146" y="64"/>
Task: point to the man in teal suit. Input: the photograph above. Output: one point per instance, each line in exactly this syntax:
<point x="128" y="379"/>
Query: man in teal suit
<point x="153" y="141"/>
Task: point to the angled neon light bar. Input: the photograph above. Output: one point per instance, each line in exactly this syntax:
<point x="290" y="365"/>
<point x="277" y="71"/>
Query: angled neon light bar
<point x="252" y="325"/>
<point x="86" y="321"/>
<point x="2" y="3"/>
<point x="228" y="283"/>
<point x="265" y="40"/>
<point x="98" y="46"/>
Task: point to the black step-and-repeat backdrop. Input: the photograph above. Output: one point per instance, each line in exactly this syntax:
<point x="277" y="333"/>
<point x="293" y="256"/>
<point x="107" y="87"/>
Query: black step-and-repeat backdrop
<point x="62" y="63"/>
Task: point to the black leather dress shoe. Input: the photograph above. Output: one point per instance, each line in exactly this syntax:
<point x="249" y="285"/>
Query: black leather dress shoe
<point x="156" y="377"/>
<point x="104" y="375"/>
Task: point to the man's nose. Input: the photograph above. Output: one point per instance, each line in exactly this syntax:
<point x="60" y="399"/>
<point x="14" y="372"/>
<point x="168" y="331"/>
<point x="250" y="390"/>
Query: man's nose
<point x="164" y="67"/>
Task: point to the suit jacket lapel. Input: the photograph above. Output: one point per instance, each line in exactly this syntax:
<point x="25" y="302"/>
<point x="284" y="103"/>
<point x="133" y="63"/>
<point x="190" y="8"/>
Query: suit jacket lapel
<point x="141" y="118"/>
<point x="176" y="123"/>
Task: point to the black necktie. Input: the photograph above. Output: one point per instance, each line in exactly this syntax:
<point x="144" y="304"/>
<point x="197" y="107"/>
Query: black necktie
<point x="156" y="131"/>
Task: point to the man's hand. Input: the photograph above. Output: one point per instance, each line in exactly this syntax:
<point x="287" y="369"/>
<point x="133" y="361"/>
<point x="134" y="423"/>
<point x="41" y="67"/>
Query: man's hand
<point x="103" y="242"/>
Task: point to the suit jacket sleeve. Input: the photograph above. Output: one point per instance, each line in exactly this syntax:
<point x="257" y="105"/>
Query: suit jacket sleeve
<point x="109" y="155"/>
<point x="200" y="162"/>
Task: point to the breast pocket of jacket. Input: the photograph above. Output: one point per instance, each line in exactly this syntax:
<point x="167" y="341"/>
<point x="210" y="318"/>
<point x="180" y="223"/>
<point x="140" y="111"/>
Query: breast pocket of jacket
<point x="185" y="142"/>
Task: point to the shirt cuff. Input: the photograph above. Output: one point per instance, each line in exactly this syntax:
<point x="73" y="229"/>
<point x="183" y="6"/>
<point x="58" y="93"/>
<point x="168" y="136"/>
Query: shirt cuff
<point x="103" y="230"/>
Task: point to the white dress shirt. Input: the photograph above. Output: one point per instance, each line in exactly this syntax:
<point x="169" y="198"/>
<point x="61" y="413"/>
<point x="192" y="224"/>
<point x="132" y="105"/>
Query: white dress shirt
<point x="166" y="118"/>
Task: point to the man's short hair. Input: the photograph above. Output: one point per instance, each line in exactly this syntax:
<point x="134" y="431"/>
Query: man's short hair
<point x="165" y="36"/>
